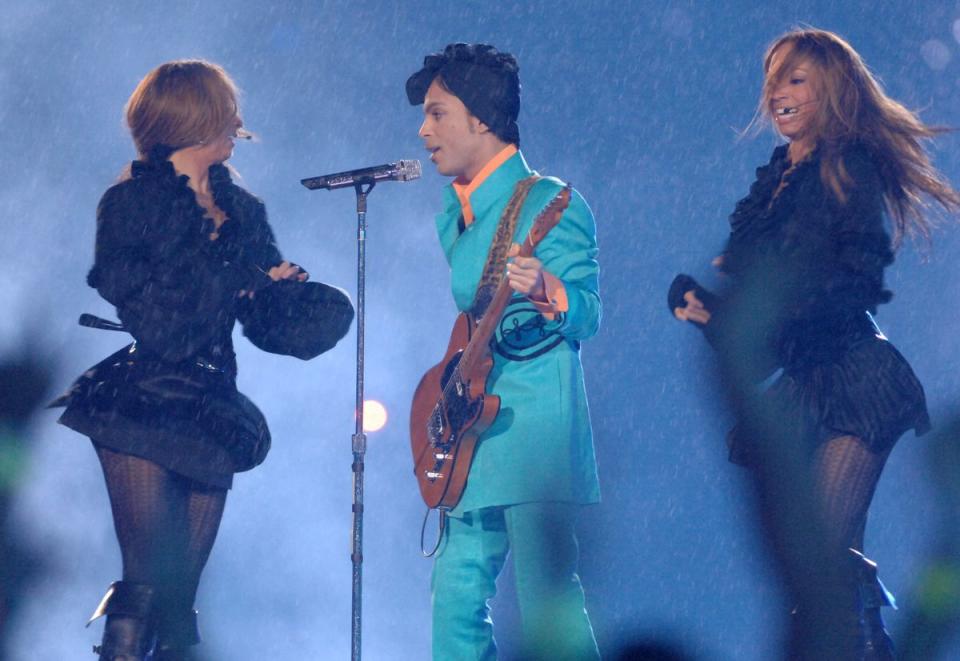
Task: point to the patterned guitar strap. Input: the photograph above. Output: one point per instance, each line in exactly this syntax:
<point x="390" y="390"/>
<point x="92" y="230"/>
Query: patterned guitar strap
<point x="502" y="240"/>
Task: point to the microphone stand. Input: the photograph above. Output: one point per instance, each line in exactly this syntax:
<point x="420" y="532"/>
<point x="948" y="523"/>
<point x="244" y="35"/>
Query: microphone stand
<point x="363" y="181"/>
<point x="359" y="439"/>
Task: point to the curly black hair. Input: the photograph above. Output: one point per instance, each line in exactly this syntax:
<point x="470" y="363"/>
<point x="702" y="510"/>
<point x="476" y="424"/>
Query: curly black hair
<point x="486" y="81"/>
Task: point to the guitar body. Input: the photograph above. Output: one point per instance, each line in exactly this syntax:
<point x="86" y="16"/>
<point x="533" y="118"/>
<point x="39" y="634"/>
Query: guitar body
<point x="450" y="411"/>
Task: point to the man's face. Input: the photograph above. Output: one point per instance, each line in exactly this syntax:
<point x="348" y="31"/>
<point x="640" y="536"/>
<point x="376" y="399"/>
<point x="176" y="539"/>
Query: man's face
<point x="454" y="137"/>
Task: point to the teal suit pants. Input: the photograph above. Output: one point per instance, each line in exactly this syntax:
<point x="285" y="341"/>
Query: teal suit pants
<point x="543" y="544"/>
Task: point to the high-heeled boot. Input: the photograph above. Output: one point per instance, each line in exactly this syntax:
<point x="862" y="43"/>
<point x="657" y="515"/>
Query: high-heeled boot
<point x="176" y="634"/>
<point x="827" y="622"/>
<point x="128" y="633"/>
<point x="878" y="645"/>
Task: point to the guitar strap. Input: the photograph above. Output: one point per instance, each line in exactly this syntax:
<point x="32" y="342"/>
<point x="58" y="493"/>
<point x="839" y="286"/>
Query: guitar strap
<point x="502" y="240"/>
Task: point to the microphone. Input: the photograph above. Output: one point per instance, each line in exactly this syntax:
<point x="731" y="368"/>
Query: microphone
<point x="399" y="171"/>
<point x="792" y="110"/>
<point x="93" y="321"/>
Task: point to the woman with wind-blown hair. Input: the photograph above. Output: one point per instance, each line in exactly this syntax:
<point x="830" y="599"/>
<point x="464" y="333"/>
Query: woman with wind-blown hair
<point x="806" y="255"/>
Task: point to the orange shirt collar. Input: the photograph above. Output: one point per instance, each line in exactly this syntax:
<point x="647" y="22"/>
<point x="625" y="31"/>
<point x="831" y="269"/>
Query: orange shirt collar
<point x="464" y="191"/>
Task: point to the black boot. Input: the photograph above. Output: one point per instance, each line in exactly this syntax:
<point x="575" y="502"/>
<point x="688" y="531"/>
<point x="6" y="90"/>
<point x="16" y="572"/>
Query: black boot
<point x="175" y="635"/>
<point x="873" y="596"/>
<point x="817" y="637"/>
<point x="128" y="633"/>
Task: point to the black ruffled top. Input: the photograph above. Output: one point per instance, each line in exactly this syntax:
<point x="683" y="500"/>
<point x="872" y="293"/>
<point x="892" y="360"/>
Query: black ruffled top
<point x="174" y="288"/>
<point x="817" y="260"/>
<point x="806" y="273"/>
<point x="171" y="397"/>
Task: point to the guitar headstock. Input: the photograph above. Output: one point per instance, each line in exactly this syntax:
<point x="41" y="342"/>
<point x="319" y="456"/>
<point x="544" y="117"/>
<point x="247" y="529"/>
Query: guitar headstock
<point x="549" y="217"/>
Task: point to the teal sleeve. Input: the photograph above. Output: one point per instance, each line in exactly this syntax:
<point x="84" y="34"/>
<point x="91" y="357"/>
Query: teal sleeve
<point x="569" y="251"/>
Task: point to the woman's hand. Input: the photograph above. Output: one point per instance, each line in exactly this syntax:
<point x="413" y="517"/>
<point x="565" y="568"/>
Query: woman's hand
<point x="282" y="271"/>
<point x="525" y="274"/>
<point x="287" y="271"/>
<point x="693" y="310"/>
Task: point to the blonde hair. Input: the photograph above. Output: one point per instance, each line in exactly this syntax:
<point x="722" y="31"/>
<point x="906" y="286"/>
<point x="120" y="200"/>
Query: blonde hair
<point x="854" y="107"/>
<point x="180" y="104"/>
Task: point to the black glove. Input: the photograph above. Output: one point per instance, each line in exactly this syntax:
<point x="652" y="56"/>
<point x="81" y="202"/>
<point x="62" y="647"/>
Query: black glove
<point x="684" y="283"/>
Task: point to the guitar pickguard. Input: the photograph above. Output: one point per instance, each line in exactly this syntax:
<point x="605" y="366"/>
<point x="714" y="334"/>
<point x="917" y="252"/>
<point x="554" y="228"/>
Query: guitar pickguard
<point x="454" y="412"/>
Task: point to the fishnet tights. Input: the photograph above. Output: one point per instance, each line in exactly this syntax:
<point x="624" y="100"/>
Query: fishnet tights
<point x="166" y="526"/>
<point x="845" y="473"/>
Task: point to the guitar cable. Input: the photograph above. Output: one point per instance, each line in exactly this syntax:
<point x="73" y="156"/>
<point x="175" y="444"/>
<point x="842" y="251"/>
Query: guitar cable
<point x="423" y="530"/>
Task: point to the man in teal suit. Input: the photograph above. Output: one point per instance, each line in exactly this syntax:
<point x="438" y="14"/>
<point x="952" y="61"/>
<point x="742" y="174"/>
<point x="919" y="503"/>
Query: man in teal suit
<point x="535" y="465"/>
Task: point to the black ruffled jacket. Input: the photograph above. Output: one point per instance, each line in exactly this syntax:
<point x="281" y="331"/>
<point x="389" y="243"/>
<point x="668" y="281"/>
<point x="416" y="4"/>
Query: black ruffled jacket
<point x="805" y="270"/>
<point x="176" y="291"/>
<point x="806" y="265"/>
<point x="171" y="396"/>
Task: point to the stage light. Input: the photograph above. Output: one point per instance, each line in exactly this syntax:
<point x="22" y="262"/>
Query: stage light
<point x="374" y="415"/>
<point x="936" y="54"/>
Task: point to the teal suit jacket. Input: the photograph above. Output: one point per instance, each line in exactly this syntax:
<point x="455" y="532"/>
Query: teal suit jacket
<point x="540" y="447"/>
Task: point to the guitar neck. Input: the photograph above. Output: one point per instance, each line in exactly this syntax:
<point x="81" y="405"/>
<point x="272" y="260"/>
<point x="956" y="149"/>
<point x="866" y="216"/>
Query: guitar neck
<point x="480" y="340"/>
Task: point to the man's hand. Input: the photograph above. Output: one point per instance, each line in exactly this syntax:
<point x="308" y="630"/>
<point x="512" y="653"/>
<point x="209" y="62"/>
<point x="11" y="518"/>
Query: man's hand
<point x="525" y="275"/>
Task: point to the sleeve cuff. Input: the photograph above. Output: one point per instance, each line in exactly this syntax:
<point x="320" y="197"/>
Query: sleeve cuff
<point x="556" y="297"/>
